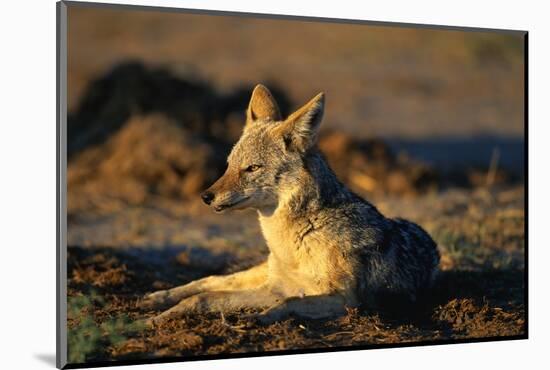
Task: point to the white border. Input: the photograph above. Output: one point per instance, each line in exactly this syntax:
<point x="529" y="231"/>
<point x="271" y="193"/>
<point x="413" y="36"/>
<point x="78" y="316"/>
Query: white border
<point x="27" y="152"/>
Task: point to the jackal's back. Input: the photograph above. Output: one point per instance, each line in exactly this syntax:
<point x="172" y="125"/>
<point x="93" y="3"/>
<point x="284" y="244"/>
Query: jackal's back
<point x="403" y="263"/>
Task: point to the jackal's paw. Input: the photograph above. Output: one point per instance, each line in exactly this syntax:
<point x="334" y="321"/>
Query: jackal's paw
<point x="154" y="321"/>
<point x="155" y="301"/>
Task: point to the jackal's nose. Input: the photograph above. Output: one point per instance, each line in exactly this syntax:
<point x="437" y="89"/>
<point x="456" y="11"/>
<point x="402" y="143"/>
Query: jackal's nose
<point x="207" y="197"/>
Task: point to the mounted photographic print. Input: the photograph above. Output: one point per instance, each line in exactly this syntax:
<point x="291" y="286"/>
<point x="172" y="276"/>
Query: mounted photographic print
<point x="234" y="184"/>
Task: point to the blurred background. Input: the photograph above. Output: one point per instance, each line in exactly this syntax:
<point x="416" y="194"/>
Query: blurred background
<point x="452" y="100"/>
<point x="428" y="124"/>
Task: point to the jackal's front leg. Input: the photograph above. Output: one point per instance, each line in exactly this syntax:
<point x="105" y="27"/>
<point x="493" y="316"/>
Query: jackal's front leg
<point x="220" y="301"/>
<point x="309" y="307"/>
<point x="243" y="280"/>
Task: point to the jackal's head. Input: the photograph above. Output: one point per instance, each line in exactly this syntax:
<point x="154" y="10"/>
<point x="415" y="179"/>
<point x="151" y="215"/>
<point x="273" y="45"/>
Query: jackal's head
<point x="268" y="160"/>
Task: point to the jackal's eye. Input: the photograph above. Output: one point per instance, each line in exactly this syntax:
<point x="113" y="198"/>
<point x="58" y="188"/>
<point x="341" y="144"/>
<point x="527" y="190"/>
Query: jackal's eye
<point x="253" y="168"/>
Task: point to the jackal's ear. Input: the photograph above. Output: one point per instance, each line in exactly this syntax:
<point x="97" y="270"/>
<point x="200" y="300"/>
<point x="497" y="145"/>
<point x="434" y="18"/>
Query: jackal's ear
<point x="300" y="129"/>
<point x="262" y="106"/>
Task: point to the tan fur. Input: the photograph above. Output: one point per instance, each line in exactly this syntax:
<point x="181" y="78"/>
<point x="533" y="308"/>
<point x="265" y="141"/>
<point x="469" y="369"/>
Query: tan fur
<point x="302" y="263"/>
<point x="324" y="242"/>
<point x="262" y="105"/>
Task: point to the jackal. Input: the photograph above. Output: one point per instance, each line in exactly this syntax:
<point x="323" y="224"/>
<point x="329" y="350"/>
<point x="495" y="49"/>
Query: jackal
<point x="328" y="248"/>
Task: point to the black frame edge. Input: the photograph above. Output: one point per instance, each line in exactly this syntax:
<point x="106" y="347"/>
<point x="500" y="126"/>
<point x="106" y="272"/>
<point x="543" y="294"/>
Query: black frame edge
<point x="526" y="177"/>
<point x="288" y="352"/>
<point x="61" y="248"/>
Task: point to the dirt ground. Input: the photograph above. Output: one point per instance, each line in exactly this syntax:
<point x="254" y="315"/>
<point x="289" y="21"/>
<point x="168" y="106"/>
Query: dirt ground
<point x="479" y="292"/>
